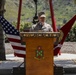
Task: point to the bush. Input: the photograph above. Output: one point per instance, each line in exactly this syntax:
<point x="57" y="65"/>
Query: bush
<point x="23" y="25"/>
<point x="72" y="35"/>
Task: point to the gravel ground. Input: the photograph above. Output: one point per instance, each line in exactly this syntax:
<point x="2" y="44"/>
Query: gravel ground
<point x="68" y="47"/>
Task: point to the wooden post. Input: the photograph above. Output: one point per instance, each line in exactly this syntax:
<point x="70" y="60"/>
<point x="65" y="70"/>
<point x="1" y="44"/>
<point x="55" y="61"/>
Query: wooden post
<point x="2" y="40"/>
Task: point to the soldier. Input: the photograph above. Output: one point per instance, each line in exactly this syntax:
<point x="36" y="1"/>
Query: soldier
<point x="41" y="25"/>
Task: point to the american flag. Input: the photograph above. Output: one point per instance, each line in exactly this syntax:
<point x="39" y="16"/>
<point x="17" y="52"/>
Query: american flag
<point x="14" y="38"/>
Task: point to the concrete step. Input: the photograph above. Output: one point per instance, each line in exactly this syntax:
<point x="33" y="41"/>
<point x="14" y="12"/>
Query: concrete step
<point x="71" y="70"/>
<point x="5" y="71"/>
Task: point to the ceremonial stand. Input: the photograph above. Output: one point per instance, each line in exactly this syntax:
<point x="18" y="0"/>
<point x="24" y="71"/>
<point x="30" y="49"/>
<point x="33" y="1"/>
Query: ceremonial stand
<point x="39" y="52"/>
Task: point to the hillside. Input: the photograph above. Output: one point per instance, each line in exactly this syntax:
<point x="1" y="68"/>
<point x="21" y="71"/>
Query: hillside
<point x="64" y="10"/>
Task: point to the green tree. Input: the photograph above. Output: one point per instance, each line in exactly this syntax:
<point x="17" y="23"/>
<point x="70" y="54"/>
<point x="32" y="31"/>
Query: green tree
<point x="2" y="41"/>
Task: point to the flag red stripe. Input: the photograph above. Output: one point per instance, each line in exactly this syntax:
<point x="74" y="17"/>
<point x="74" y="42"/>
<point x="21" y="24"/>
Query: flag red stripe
<point x="19" y="48"/>
<point x="14" y="40"/>
<point x="20" y="55"/>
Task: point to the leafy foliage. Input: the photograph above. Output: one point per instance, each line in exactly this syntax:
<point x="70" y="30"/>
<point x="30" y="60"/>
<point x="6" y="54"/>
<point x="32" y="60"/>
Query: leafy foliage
<point x="72" y="35"/>
<point x="64" y="10"/>
<point x="23" y="25"/>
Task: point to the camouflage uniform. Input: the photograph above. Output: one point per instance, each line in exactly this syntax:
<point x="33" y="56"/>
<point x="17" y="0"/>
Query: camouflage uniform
<point x="44" y="28"/>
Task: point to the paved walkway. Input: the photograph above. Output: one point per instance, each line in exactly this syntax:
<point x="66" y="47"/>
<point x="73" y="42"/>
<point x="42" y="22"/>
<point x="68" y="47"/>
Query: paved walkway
<point x="11" y="62"/>
<point x="65" y="60"/>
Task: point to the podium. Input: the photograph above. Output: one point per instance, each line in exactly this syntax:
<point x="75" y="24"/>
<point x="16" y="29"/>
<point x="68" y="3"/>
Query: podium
<point x="39" y="52"/>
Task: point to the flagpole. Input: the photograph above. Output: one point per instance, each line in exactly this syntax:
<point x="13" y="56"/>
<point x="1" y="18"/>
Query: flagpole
<point x="52" y="16"/>
<point x="18" y="20"/>
<point x="19" y="14"/>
